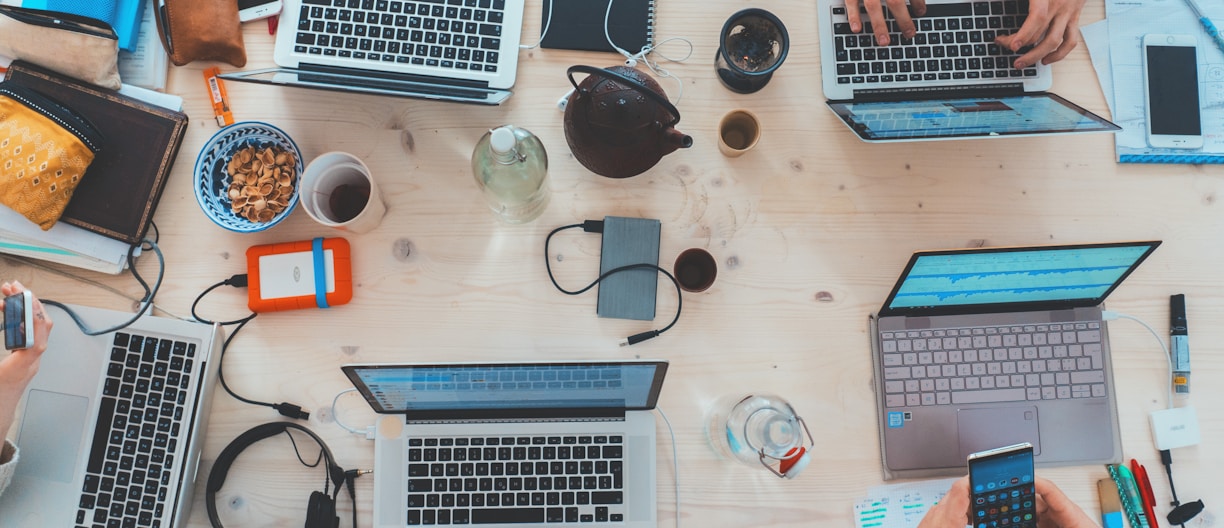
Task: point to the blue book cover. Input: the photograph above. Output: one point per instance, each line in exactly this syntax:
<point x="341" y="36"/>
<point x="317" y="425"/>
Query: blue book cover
<point x="123" y="15"/>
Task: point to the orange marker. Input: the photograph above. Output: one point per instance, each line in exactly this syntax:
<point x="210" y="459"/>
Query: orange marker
<point x="220" y="101"/>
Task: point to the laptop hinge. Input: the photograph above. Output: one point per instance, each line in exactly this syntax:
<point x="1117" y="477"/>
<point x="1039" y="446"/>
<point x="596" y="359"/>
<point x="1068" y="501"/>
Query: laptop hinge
<point x="937" y="92"/>
<point x="363" y="76"/>
<point x="516" y="415"/>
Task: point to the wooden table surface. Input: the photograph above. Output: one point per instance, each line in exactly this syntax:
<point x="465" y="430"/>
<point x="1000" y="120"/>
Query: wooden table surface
<point x="810" y="230"/>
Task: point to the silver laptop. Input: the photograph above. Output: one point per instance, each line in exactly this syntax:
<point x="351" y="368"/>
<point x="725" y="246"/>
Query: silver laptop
<point x="453" y="50"/>
<point x="980" y="348"/>
<point x="948" y="82"/>
<point x="513" y="444"/>
<point x="112" y="426"/>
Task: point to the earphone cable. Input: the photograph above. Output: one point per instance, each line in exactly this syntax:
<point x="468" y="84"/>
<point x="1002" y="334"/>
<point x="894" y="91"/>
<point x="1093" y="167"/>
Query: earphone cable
<point x="298" y="452"/>
<point x="675" y="461"/>
<point x="596" y="226"/>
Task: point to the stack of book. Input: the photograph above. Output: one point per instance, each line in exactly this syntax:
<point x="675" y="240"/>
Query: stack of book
<point x="113" y="206"/>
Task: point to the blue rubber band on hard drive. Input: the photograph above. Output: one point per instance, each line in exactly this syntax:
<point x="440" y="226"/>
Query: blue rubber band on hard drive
<point x="320" y="273"/>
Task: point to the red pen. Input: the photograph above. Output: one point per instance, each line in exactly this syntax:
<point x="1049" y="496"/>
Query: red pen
<point x="1145" y="492"/>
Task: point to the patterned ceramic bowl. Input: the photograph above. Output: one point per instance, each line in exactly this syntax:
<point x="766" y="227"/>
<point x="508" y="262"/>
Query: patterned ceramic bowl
<point x="212" y="179"/>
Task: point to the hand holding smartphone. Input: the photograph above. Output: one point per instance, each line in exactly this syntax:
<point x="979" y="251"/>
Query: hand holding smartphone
<point x="1001" y="488"/>
<point x="19" y="321"/>
<point x="1171" y="91"/>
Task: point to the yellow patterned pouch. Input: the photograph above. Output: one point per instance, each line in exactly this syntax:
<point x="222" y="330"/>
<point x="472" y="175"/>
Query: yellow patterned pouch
<point x="45" y="149"/>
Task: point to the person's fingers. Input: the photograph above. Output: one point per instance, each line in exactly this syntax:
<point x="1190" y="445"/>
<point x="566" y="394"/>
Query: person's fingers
<point x="952" y="511"/>
<point x="1052" y="41"/>
<point x="1036" y="23"/>
<point x="917" y="7"/>
<point x="42" y="326"/>
<point x="1050" y="499"/>
<point x="875" y="12"/>
<point x="1071" y="39"/>
<point x="6" y="289"/>
<point x="852" y="13"/>
<point x="901" y="13"/>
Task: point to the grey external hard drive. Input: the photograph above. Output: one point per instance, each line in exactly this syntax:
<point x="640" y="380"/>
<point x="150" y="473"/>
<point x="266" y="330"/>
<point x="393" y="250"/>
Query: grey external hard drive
<point x="629" y="294"/>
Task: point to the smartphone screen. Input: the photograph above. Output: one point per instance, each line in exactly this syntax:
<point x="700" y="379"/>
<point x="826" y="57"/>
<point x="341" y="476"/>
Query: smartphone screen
<point x="14" y="322"/>
<point x="1001" y="488"/>
<point x="1172" y="77"/>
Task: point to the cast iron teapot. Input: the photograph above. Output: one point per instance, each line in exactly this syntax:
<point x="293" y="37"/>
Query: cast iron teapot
<point x="618" y="121"/>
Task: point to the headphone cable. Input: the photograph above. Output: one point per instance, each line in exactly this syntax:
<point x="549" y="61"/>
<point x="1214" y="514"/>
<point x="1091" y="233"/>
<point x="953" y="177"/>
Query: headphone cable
<point x="145" y="302"/>
<point x="596" y="226"/>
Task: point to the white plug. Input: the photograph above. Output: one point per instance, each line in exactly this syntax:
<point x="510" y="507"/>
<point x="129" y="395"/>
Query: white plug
<point x="1174" y="428"/>
<point x="564" y="100"/>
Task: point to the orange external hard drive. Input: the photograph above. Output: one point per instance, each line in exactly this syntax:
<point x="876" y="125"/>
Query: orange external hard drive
<point x="295" y="275"/>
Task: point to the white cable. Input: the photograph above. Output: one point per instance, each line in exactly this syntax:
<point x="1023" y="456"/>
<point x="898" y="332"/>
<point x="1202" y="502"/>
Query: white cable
<point x="675" y="461"/>
<point x="1105" y="314"/>
<point x="336" y="416"/>
<point x="631" y="59"/>
<point x="547" y="23"/>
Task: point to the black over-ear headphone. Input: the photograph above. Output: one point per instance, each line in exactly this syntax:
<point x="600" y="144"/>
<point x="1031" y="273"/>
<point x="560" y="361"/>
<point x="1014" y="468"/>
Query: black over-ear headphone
<point x="321" y="512"/>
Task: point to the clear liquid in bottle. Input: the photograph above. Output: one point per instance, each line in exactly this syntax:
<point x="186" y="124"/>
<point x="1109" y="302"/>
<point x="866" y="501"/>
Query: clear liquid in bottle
<point x="511" y="168"/>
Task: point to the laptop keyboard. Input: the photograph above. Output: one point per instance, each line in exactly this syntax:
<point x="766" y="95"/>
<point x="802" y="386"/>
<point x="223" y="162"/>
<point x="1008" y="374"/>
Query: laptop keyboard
<point x="450" y="34"/>
<point x="992" y="364"/>
<point x="953" y="42"/>
<point x="135" y="440"/>
<point x="527" y="479"/>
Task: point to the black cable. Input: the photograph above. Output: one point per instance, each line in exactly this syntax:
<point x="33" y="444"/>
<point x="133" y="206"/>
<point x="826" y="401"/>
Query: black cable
<point x="156" y="232"/>
<point x="596" y="226"/>
<point x="298" y="452"/>
<point x="240" y="281"/>
<point x="146" y="301"/>
<point x="1166" y="458"/>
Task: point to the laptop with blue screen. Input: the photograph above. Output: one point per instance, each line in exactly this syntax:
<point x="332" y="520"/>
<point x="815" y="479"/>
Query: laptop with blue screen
<point x="513" y="444"/>
<point x="949" y="81"/>
<point x="980" y="348"/>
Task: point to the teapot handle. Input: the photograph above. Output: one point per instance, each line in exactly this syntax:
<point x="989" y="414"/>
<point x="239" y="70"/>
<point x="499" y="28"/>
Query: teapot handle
<point x="591" y="70"/>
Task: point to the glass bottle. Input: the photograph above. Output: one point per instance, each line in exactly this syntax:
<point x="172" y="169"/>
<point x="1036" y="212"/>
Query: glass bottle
<point x="511" y="168"/>
<point x="742" y="428"/>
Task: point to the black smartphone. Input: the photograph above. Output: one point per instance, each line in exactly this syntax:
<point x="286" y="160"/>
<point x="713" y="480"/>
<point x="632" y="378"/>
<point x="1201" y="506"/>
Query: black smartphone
<point x="1001" y="492"/>
<point x="19" y="321"/>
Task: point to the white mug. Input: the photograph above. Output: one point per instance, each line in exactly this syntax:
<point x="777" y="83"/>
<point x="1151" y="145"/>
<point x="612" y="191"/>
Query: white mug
<point x="338" y="191"/>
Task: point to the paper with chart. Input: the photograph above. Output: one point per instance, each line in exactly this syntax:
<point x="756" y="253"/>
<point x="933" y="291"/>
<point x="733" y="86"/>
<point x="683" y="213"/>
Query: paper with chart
<point x="899" y="505"/>
<point x="1129" y="21"/>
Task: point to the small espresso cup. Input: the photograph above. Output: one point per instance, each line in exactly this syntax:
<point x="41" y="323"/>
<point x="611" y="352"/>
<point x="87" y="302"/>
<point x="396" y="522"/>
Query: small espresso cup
<point x="738" y="131"/>
<point x="695" y="270"/>
<point x="338" y="191"/>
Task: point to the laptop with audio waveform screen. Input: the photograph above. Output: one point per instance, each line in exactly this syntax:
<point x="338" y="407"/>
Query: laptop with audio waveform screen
<point x="980" y="348"/>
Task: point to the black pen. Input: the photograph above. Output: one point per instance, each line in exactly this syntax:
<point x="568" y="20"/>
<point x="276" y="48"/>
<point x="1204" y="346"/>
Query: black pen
<point x="1180" y="341"/>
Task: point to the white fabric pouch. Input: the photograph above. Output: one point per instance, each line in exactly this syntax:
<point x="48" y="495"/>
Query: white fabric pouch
<point x="76" y="46"/>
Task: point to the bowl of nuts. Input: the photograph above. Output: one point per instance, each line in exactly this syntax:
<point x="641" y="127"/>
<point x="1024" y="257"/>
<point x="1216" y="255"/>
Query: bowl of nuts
<point x="246" y="176"/>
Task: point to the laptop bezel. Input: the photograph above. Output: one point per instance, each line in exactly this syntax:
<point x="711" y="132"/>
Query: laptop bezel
<point x="959" y="309"/>
<point x="656" y="387"/>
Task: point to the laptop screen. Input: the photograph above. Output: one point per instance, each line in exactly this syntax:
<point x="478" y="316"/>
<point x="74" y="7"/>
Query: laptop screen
<point x="1013" y="278"/>
<point x="508" y="387"/>
<point x="1032" y="114"/>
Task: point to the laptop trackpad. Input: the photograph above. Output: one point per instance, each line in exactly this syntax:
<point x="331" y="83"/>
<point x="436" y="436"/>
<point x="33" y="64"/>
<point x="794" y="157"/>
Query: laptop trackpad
<point x="50" y="439"/>
<point x="982" y="429"/>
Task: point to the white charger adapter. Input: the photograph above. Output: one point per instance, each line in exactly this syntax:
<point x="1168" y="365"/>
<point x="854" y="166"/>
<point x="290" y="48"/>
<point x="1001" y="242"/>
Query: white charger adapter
<point x="1174" y="428"/>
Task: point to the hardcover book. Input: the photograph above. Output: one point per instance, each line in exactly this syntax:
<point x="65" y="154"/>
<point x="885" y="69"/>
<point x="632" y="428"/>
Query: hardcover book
<point x="119" y="193"/>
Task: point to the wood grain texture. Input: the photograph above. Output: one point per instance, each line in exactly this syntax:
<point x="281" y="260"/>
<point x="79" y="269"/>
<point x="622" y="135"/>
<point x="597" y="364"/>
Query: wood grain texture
<point x="809" y="229"/>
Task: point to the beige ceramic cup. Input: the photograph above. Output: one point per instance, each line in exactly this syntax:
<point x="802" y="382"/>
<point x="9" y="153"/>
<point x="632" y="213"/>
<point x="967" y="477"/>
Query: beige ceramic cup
<point x="338" y="191"/>
<point x="738" y="131"/>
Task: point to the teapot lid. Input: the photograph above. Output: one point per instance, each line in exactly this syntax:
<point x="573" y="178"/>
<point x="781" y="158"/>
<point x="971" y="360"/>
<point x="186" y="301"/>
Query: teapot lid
<point x="628" y="82"/>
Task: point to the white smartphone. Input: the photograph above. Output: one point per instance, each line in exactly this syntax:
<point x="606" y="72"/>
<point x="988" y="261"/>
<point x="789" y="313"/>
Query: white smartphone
<point x="19" y="321"/>
<point x="1171" y="91"/>
<point x="249" y="10"/>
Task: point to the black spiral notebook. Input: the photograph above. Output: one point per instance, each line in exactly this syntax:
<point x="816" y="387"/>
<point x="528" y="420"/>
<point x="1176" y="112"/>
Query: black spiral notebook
<point x="579" y="24"/>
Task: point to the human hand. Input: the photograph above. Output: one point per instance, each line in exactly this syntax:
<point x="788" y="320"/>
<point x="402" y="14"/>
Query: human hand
<point x="19" y="367"/>
<point x="1055" y="510"/>
<point x="1052" y="28"/>
<point x="875" y="12"/>
<point x="952" y="511"/>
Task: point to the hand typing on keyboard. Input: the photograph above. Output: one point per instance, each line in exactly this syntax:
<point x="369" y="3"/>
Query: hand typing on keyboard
<point x="19" y="367"/>
<point x="875" y="12"/>
<point x="1052" y="29"/>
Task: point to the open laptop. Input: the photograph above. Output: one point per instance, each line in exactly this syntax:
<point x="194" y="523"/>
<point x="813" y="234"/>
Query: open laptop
<point x="513" y="444"/>
<point x="112" y="426"/>
<point x="980" y="348"/>
<point x="453" y="50"/>
<point x="949" y="82"/>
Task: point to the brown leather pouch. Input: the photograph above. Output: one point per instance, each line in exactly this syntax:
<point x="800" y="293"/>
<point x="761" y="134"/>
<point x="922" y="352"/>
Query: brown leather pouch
<point x="193" y="30"/>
